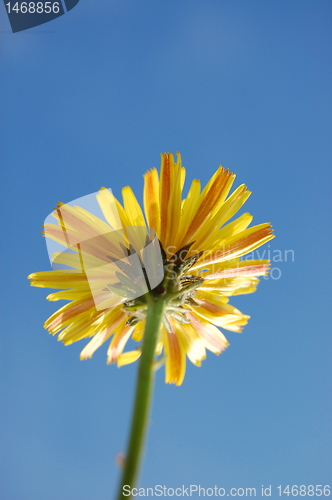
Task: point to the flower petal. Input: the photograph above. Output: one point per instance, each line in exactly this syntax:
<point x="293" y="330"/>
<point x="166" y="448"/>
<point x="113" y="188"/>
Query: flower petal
<point x="175" y="358"/>
<point x="212" y="337"/>
<point x="102" y="336"/>
<point x="128" y="357"/>
<point x="211" y="199"/>
<point x="191" y="342"/>
<point x="243" y="268"/>
<point x="118" y="342"/>
<point x="62" y="317"/>
<point x="108" y="206"/>
<point x="151" y="199"/>
<point x="244" y="242"/>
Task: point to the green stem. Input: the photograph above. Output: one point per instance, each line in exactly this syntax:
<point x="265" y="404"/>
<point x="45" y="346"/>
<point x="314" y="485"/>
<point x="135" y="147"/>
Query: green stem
<point x="144" y="386"/>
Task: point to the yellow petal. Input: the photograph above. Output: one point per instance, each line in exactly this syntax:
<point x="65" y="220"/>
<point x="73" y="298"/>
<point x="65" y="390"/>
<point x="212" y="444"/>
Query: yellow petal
<point x="189" y="207"/>
<point x="213" y="237"/>
<point x="242" y="243"/>
<point x="68" y="313"/>
<point x="241" y="268"/>
<point x="84" y="326"/>
<point x="136" y="231"/>
<point x="221" y="314"/>
<point x="192" y="343"/>
<point x="175" y="200"/>
<point x="211" y="336"/>
<point x="108" y="206"/>
<point x="118" y="342"/>
<point x="116" y="319"/>
<point x="73" y="294"/>
<point x="211" y="199"/>
<point x="164" y="193"/>
<point x="175" y="359"/>
<point x="233" y="204"/>
<point x="151" y="199"/>
<point x="128" y="357"/>
<point x="58" y="279"/>
<point x="139" y="331"/>
<point x="132" y="207"/>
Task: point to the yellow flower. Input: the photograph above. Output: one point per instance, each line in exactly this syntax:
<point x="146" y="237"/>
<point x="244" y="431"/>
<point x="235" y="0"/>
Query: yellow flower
<point x="201" y="257"/>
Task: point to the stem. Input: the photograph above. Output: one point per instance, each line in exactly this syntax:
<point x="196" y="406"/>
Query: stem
<point x="144" y="386"/>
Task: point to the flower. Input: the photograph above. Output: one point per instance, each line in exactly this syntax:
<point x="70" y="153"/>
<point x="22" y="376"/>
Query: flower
<point x="200" y="251"/>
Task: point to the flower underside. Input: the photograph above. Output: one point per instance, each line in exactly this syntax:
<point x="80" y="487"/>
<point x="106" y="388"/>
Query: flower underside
<point x="109" y="280"/>
<point x="177" y="289"/>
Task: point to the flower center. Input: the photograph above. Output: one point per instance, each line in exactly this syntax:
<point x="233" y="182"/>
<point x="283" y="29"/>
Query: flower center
<point x="177" y="289"/>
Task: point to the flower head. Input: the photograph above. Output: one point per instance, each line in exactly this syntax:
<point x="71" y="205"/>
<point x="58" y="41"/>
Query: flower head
<point x="185" y="250"/>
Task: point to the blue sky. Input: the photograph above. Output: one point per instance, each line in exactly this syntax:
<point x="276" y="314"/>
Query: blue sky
<point x="91" y="99"/>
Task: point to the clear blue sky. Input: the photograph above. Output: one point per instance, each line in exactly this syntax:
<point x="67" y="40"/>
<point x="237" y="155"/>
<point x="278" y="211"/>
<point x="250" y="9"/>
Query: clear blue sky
<point x="91" y="99"/>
